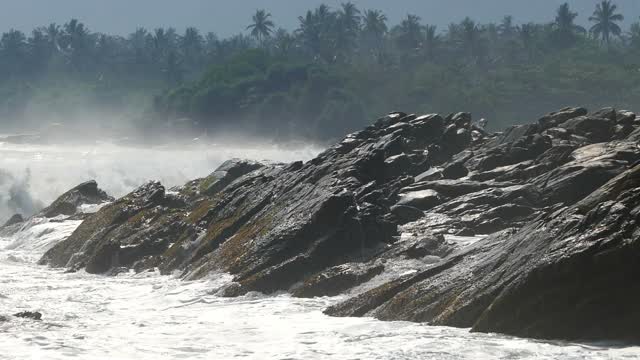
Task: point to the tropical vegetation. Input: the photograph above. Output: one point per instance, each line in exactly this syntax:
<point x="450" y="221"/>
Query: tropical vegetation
<point x="336" y="71"/>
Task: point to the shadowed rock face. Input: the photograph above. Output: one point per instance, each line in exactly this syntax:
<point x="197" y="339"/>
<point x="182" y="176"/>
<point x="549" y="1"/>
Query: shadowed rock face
<point x="558" y="199"/>
<point x="13" y="220"/>
<point x="67" y="204"/>
<point x="567" y="274"/>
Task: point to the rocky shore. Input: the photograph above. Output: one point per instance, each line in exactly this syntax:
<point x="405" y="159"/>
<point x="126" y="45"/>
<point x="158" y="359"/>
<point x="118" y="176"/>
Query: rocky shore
<point x="557" y="203"/>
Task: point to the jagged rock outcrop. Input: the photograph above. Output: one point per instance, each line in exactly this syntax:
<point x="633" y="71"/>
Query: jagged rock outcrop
<point x="13" y="220"/>
<point x="67" y="204"/>
<point x="557" y="199"/>
<point x="33" y="315"/>
<point x="568" y="274"/>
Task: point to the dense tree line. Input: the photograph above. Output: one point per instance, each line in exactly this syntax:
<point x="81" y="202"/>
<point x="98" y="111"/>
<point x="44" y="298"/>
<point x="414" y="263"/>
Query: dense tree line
<point x="338" y="69"/>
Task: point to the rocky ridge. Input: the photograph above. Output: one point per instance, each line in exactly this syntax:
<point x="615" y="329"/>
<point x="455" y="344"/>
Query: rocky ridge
<point x="558" y="201"/>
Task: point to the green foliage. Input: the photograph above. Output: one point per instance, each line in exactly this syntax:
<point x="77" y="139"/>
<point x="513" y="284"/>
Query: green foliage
<point x="339" y="69"/>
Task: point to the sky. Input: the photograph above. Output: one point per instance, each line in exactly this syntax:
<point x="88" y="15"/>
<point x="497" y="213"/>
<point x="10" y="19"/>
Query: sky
<point x="227" y="17"/>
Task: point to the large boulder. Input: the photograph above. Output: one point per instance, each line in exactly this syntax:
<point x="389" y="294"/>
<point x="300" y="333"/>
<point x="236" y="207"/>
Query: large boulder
<point x="567" y="275"/>
<point x="596" y="129"/>
<point x="271" y="225"/>
<point x="68" y="203"/>
<point x="513" y="232"/>
<point x="13" y="220"/>
<point x="140" y="224"/>
<point x="555" y="118"/>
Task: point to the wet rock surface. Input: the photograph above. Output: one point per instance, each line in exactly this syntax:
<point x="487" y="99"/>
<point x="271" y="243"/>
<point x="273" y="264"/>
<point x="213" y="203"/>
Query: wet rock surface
<point x="67" y="204"/>
<point x="558" y="201"/>
<point x="33" y="315"/>
<point x="13" y="220"/>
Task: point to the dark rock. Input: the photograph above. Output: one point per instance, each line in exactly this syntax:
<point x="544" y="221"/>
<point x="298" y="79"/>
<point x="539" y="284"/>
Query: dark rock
<point x="555" y="118"/>
<point x="138" y="225"/>
<point x="457" y="138"/>
<point x="455" y="170"/>
<point x="421" y="199"/>
<point x="68" y="203"/>
<point x="406" y="214"/>
<point x="608" y="113"/>
<point x="462" y="120"/>
<point x="226" y="173"/>
<point x="33" y="315"/>
<point x="397" y="165"/>
<point x="566" y="275"/>
<point x="429" y="126"/>
<point x="634" y="136"/>
<point x="15" y="219"/>
<point x="595" y="129"/>
<point x="620" y="132"/>
<point x="427" y="244"/>
<point x="514" y="133"/>
<point x="558" y="201"/>
<point x="495" y="155"/>
<point x="336" y="280"/>
<point x="558" y="133"/>
<point x="591" y="167"/>
<point x="625" y="117"/>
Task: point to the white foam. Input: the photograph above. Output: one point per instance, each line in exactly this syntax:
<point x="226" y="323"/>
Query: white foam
<point x="149" y="316"/>
<point x="44" y="172"/>
<point x="36" y="236"/>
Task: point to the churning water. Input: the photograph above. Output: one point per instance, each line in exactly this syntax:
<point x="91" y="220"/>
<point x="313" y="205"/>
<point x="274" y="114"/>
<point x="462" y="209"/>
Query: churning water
<point x="148" y="316"/>
<point x="32" y="176"/>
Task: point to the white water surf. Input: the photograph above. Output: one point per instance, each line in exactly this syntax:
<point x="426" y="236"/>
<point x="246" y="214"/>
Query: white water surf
<point x="148" y="316"/>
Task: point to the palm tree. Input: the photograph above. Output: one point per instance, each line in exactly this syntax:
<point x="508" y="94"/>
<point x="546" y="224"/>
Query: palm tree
<point x="323" y="14"/>
<point x="13" y="42"/>
<point x="528" y="33"/>
<point x="375" y="24"/>
<point x="410" y="32"/>
<point x="350" y="18"/>
<point x="309" y="32"/>
<point x="211" y="44"/>
<point x="192" y="45"/>
<point x="506" y="28"/>
<point x="430" y="41"/>
<point x="470" y="34"/>
<point x="76" y="41"/>
<point x="634" y="35"/>
<point x="39" y="48"/>
<point x="283" y="42"/>
<point x="564" y="27"/>
<point x="160" y="44"/>
<point x="319" y="34"/>
<point x="14" y="51"/>
<point x="605" y="20"/>
<point x="53" y="34"/>
<point x="347" y="28"/>
<point x="75" y="35"/>
<point x="262" y="26"/>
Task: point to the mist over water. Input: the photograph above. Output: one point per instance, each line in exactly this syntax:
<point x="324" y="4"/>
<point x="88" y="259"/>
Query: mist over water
<point x="32" y="176"/>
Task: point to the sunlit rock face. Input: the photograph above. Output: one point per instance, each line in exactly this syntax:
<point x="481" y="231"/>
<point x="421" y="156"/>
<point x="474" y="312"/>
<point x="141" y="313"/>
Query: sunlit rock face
<point x="552" y="209"/>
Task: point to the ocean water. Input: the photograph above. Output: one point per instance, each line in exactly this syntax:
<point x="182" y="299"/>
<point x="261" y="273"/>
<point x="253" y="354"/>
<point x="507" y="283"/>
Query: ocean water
<point x="149" y="316"/>
<point x="32" y="176"/>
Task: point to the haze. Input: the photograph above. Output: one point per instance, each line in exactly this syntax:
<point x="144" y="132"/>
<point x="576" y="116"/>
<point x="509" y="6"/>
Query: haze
<point x="231" y="17"/>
